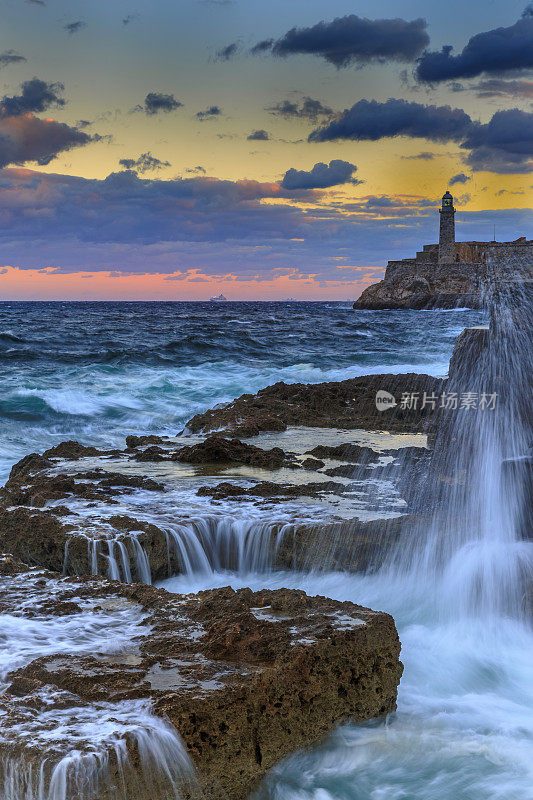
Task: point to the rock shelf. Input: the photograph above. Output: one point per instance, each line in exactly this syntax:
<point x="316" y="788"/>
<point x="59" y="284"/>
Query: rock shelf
<point x="242" y="677"/>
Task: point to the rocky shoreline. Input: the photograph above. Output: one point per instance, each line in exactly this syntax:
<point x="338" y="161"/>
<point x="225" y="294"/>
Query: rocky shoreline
<point x="240" y="678"/>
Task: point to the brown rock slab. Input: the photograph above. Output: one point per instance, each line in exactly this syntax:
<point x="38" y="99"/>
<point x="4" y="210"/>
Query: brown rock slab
<point x="244" y="677"/>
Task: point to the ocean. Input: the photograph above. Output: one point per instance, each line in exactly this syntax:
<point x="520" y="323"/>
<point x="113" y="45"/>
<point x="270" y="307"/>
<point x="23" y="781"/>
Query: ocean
<point x="96" y="372"/>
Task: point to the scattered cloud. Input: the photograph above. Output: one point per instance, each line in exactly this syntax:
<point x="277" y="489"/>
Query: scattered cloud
<point x="36" y="96"/>
<point x="146" y="162"/>
<point x="74" y="27"/>
<point x="371" y="120"/>
<point x="198" y="170"/>
<point x="307" y="109"/>
<point x="321" y="176"/>
<point x="503" y="145"/>
<point x="36" y="2"/>
<point x="209" y="113"/>
<point x="262" y="47"/>
<point x="228" y="52"/>
<point x="496" y="87"/>
<point x="27" y="138"/>
<point x="496" y="51"/>
<point x="158" y="102"/>
<point x="24" y="137"/>
<point x="425" y="155"/>
<point x="459" y="178"/>
<point x="129" y="18"/>
<point x="258" y="136"/>
<point x="10" y="57"/>
<point x="353" y="40"/>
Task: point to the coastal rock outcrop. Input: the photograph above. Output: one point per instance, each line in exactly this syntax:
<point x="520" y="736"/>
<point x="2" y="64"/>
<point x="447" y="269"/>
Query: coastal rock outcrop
<point x="427" y="286"/>
<point x="347" y="404"/>
<point x="218" y="450"/>
<point x="243" y="677"/>
<point x="449" y="274"/>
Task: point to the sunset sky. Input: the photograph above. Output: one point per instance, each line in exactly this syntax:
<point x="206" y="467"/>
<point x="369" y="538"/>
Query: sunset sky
<point x="176" y="149"/>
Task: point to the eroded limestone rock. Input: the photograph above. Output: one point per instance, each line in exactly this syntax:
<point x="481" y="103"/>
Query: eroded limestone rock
<point x="244" y="677"/>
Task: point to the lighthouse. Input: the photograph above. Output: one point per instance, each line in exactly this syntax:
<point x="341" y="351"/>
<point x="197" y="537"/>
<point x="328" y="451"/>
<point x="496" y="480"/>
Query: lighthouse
<point x="447" y="229"/>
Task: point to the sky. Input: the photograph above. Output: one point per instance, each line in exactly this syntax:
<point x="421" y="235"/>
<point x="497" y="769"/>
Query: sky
<point x="178" y="149"/>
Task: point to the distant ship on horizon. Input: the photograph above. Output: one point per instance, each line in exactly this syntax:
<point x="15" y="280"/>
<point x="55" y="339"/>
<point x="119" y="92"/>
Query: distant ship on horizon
<point x="218" y="299"/>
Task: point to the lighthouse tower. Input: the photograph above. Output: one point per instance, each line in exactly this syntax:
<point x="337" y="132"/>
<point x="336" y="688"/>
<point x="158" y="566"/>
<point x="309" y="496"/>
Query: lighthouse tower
<point x="447" y="229"/>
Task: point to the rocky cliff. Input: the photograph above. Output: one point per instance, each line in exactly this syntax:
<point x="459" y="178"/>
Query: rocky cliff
<point x="424" y="282"/>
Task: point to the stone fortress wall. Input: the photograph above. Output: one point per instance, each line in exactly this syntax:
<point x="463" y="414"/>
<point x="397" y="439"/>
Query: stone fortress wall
<point x="435" y="279"/>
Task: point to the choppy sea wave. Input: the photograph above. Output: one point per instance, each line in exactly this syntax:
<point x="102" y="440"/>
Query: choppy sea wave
<point x="99" y="371"/>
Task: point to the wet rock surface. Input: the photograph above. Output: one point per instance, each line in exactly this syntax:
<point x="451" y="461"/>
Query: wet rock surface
<point x="79" y="518"/>
<point x="244" y="677"/>
<point x="218" y="450"/>
<point x="348" y="404"/>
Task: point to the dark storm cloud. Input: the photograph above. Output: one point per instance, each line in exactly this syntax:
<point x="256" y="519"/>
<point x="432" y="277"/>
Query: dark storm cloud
<point x="36" y="96"/>
<point x="157" y="102"/>
<point x="307" y="109"/>
<point x="503" y="145"/>
<point x="495" y="51"/>
<point x="208" y="113"/>
<point x="228" y="52"/>
<point x="258" y="136"/>
<point x="371" y="120"/>
<point x="321" y="176"/>
<point x="354" y="40"/>
<point x="129" y="18"/>
<point x="496" y="87"/>
<point x="146" y="162"/>
<point x="459" y="178"/>
<point x="74" y="27"/>
<point x="10" y="57"/>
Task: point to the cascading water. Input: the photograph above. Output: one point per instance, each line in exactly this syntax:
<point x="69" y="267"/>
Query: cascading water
<point x="472" y="555"/>
<point x="54" y="746"/>
<point x="456" y="587"/>
<point x="199" y="545"/>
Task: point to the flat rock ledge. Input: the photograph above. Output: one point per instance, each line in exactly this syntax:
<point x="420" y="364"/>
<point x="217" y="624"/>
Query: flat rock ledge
<point x="61" y="510"/>
<point x="348" y="404"/>
<point x="244" y="677"/>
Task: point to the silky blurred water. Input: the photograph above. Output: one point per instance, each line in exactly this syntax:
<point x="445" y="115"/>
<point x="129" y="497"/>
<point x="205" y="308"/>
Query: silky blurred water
<point x="97" y="372"/>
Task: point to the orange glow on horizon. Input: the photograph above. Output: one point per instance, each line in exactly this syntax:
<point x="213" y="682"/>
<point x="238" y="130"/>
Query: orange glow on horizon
<point x="49" y="284"/>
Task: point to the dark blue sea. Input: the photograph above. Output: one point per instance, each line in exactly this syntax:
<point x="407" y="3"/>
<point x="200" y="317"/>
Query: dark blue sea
<point x="98" y="371"/>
